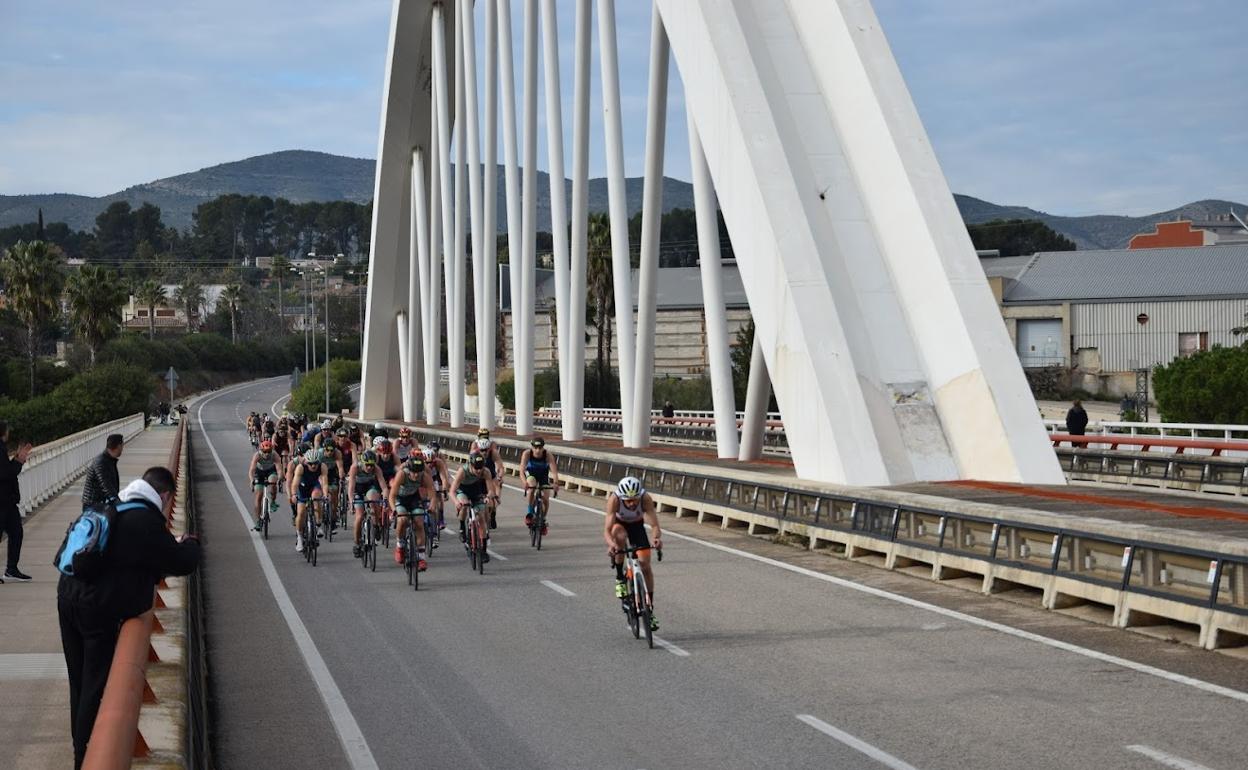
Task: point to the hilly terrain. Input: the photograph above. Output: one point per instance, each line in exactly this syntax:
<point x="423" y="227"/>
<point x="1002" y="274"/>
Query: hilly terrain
<point x="302" y="175"/>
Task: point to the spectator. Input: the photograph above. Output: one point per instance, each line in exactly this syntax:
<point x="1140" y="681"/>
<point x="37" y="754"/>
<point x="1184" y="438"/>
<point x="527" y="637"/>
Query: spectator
<point x="669" y="411"/>
<point x="1076" y="419"/>
<point x="140" y="552"/>
<point x="10" y="496"/>
<point x="164" y="412"/>
<point x="102" y="483"/>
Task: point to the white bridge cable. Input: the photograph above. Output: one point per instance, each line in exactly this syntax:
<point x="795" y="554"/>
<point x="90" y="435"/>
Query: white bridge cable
<point x="511" y="183"/>
<point x="433" y="297"/>
<point x="486" y="376"/>
<point x="441" y="109"/>
<point x="420" y="273"/>
<point x="470" y="139"/>
<point x="458" y="339"/>
<point x="577" y="272"/>
<point x="528" y="260"/>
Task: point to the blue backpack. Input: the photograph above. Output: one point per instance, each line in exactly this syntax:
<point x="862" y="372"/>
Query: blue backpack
<point x="81" y="554"/>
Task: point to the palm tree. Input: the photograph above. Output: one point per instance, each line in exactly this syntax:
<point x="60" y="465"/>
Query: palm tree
<point x="33" y="277"/>
<point x="95" y="298"/>
<point x="279" y="268"/>
<point x="601" y="292"/>
<point x="232" y="295"/>
<point x="190" y="295"/>
<point x="150" y="294"/>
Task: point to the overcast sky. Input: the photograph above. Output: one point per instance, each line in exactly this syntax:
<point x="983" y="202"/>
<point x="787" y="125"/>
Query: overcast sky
<point x="1070" y="106"/>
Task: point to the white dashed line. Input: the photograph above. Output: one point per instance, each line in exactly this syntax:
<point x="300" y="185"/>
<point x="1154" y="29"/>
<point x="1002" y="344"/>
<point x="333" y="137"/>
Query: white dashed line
<point x="861" y="746"/>
<point x="495" y="554"/>
<point x="557" y="588"/>
<point x="1169" y="760"/>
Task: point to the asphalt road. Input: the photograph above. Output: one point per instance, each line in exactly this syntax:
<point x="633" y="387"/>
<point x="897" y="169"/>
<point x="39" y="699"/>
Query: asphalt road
<point x="771" y="660"/>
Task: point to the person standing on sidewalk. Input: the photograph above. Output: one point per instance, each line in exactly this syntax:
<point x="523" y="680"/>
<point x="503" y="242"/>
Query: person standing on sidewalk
<point x="140" y="552"/>
<point x="10" y="496"/>
<point x="102" y="483"/>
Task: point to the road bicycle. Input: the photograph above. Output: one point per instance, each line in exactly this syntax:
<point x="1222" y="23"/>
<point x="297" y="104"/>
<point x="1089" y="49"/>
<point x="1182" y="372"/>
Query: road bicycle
<point x="368" y="535"/>
<point x="267" y="505"/>
<point x="636" y="600"/>
<point x="539" y="517"/>
<point x="478" y="537"/>
<point x="410" y="558"/>
<point x="310" y="541"/>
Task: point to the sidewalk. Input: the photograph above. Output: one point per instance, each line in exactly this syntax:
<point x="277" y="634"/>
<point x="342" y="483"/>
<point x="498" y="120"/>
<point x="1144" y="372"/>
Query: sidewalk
<point x="34" y="693"/>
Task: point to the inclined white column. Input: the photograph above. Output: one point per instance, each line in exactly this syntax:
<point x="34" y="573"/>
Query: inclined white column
<point x="528" y="255"/>
<point x="418" y="247"/>
<point x="757" y="395"/>
<point x="489" y="224"/>
<point x="433" y="326"/>
<point x="472" y="136"/>
<point x="511" y="182"/>
<point x="443" y="109"/>
<point x="621" y="267"/>
<point x="574" y="403"/>
<point x="458" y="319"/>
<point x="651" y="215"/>
<point x="558" y="195"/>
<point x="711" y="261"/>
<point x="405" y="374"/>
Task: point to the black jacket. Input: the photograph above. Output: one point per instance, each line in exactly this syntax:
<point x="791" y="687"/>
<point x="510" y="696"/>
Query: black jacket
<point x="1076" y="421"/>
<point x="10" y="492"/>
<point x="140" y="552"/>
<point x="102" y="482"/>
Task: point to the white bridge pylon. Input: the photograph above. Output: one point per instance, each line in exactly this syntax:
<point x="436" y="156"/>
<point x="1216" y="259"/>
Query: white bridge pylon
<point x="874" y="323"/>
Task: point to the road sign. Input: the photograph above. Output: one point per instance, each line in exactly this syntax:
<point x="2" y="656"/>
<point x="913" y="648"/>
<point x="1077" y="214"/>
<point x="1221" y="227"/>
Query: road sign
<point x="172" y="378"/>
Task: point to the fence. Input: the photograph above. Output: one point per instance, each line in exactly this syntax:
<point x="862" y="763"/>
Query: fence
<point x="53" y="466"/>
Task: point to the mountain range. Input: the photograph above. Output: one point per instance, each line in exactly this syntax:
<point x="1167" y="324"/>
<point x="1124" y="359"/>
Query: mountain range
<point x="302" y="175"/>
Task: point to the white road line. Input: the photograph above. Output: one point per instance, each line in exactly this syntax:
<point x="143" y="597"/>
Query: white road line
<point x="1169" y="760"/>
<point x="879" y="755"/>
<point x="679" y="652"/>
<point x="1199" y="684"/>
<point x="495" y="554"/>
<point x="274" y="409"/>
<point x="552" y="585"/>
<point x="354" y="745"/>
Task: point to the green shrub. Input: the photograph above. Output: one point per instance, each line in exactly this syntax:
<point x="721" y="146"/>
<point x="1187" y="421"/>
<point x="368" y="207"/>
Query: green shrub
<point x="693" y="393"/>
<point x="1209" y="386"/>
<point x="107" y="392"/>
<point x="309" y="396"/>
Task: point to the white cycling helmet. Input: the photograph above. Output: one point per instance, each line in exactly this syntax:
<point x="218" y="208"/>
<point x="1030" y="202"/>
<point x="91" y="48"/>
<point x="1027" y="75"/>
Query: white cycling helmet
<point x="378" y="441"/>
<point x="628" y="488"/>
<point x="326" y="424"/>
<point x="483" y="444"/>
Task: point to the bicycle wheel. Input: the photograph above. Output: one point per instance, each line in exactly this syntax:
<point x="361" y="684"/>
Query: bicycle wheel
<point x="327" y="516"/>
<point x="481" y="557"/>
<point x="372" y="553"/>
<point x="385" y="528"/>
<point x="645" y="622"/>
<point x="533" y="533"/>
<point x="539" y="521"/>
<point x="630" y="606"/>
<point x="413" y="557"/>
<point x="472" y="545"/>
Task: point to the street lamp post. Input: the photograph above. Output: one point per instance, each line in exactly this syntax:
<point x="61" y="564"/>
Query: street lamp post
<point x="305" y="317"/>
<point x="325" y="301"/>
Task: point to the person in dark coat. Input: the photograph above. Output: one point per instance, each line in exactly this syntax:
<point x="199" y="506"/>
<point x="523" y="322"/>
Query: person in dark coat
<point x="140" y="552"/>
<point x="102" y="482"/>
<point x="10" y="497"/>
<point x="1076" y="419"/>
<point x="669" y="411"/>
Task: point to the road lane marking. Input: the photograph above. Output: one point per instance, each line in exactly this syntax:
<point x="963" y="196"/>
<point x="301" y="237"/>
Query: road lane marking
<point x="495" y="554"/>
<point x="274" y="409"/>
<point x="1143" y="668"/>
<point x="1169" y="760"/>
<point x="557" y="588"/>
<point x="861" y="746"/>
<point x="679" y="652"/>
<point x="352" y="738"/>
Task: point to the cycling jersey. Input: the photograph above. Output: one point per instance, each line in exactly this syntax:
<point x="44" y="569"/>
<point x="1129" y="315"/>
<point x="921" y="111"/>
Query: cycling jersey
<point x="538" y="468"/>
<point x="309" y="482"/>
<point x="626" y="514"/>
<point x="265" y="467"/>
<point x="388" y="467"/>
<point x="331" y="465"/>
<point x="365" y="480"/>
<point x="474" y="487"/>
<point x="403" y="449"/>
<point x="281" y="442"/>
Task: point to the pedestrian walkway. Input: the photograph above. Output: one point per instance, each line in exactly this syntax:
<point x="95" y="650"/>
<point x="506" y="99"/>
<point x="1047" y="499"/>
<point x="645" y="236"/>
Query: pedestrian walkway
<point x="34" y="692"/>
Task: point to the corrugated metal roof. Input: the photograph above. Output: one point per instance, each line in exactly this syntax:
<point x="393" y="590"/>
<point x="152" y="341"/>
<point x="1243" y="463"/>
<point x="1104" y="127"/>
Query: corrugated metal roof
<point x="1004" y="267"/>
<point x="1199" y="271"/>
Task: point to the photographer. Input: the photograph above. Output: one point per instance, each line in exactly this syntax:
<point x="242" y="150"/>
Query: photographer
<point x="10" y="496"/>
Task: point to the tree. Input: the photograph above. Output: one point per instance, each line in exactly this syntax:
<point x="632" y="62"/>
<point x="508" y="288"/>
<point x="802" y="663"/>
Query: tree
<point x="150" y="294"/>
<point x="1206" y="387"/>
<point x="1018" y="237"/>
<point x="190" y="295"/>
<point x="279" y="268"/>
<point x="232" y="296"/>
<point x="33" y="278"/>
<point x="95" y="298"/>
<point x="601" y="294"/>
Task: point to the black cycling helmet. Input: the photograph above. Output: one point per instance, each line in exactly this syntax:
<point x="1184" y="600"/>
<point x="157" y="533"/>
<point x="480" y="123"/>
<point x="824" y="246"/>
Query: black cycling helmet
<point x="476" y="460"/>
<point x="415" y="464"/>
<point x="538" y="443"/>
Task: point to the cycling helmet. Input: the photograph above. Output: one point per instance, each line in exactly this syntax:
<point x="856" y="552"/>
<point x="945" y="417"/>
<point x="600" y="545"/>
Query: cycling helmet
<point x="476" y="460"/>
<point x="483" y="444"/>
<point x="326" y="424"/>
<point x="629" y="488"/>
<point x="266" y="446"/>
<point x="405" y="432"/>
<point x="538" y="443"/>
<point x="415" y="464"/>
<point x="342" y="433"/>
<point x="429" y="455"/>
<point x="378" y="441"/>
<point x="483" y="433"/>
<point x="435" y="446"/>
<point x="312" y="456"/>
<point x="369" y="458"/>
<point x="384" y="447"/>
<point x="304" y="446"/>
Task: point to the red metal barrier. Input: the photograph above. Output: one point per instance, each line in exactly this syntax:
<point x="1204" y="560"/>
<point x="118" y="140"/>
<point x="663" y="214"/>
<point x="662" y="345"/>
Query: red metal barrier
<point x="1145" y="443"/>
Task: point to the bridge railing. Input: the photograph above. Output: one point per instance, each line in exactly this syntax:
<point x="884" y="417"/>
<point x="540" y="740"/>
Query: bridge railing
<point x="53" y="466"/>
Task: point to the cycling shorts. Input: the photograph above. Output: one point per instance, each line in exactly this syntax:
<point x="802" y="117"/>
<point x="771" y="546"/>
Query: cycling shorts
<point x="409" y="504"/>
<point x="537" y="478"/>
<point x="262" y="479"/>
<point x="304" y="494"/>
<point x="637" y="535"/>
<point x="362" y="490"/>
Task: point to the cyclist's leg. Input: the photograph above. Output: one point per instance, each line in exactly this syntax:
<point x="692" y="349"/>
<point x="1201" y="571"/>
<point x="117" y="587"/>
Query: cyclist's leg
<point x="259" y="496"/>
<point x="319" y="494"/>
<point x="360" y="509"/>
<point x="301" y="512"/>
<point x="530" y="495"/>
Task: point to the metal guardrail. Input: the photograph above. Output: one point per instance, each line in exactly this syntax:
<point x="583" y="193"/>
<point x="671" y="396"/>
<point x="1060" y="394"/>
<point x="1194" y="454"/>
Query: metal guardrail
<point x="1164" y="429"/>
<point x="53" y="466"/>
<point x="1175" y="472"/>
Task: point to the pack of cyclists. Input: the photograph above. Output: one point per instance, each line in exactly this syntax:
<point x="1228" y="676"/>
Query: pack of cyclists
<point x="396" y="479"/>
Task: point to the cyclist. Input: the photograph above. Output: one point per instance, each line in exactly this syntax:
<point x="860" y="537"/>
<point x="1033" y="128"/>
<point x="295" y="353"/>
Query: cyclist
<point x="471" y="486"/>
<point x="386" y="460"/>
<point x="489" y="450"/>
<point x="265" y="471"/>
<point x="308" y="483"/>
<point x="378" y="430"/>
<point x="253" y="425"/>
<point x="441" y="478"/>
<point x="364" y="483"/>
<point x="409" y="492"/>
<point x="537" y="465"/>
<point x="281" y="443"/>
<point x="334" y="473"/>
<point x="356" y="437"/>
<point x="310" y="434"/>
<point x="326" y="434"/>
<point x="629" y="509"/>
<point x="267" y="426"/>
<point x="404" y="445"/>
<point x="342" y="440"/>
